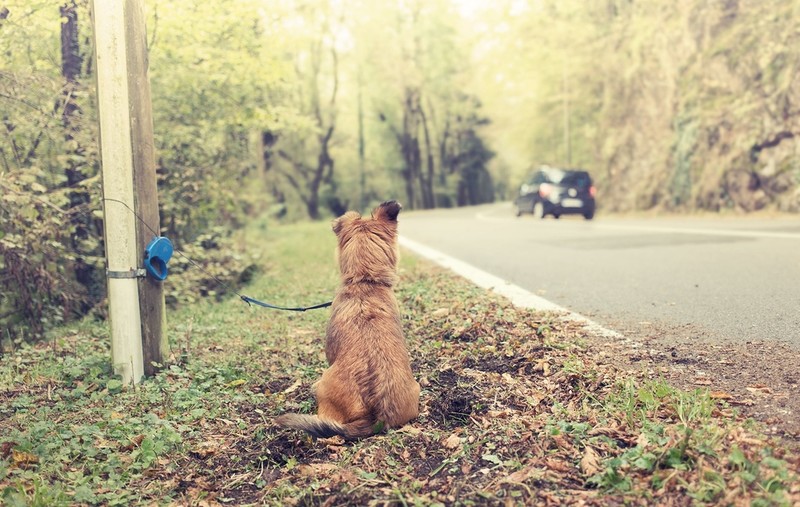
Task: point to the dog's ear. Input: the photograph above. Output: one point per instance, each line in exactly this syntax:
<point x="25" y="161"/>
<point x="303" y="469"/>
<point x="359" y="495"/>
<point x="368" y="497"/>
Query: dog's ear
<point x="340" y="222"/>
<point x="387" y="211"/>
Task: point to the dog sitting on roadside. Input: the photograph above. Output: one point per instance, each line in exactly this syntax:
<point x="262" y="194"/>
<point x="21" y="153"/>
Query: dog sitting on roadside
<point x="368" y="385"/>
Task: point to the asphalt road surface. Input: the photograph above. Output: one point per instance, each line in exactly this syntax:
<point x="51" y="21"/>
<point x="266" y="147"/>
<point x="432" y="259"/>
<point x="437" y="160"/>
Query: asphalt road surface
<point x="728" y="278"/>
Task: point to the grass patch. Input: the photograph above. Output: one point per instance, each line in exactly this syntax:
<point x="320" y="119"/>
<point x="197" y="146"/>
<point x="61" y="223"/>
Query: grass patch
<point x="515" y="410"/>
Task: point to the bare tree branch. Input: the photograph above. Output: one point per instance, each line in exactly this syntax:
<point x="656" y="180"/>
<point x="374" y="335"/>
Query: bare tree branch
<point x="298" y="166"/>
<point x="295" y="184"/>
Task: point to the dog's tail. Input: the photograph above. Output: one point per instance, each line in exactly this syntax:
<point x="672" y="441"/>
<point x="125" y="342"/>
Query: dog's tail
<point x="324" y="428"/>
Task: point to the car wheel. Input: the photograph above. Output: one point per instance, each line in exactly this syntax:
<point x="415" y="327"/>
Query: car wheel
<point x="538" y="210"/>
<point x="588" y="215"/>
<point x="556" y="216"/>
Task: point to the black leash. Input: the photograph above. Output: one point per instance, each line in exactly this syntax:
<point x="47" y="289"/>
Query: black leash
<point x="250" y="300"/>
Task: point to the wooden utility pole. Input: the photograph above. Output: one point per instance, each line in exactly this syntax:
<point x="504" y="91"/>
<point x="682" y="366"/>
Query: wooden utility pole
<point x="151" y="293"/>
<point x="136" y="302"/>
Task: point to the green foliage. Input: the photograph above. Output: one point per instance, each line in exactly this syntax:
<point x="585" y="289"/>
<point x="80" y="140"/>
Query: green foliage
<point x="671" y="105"/>
<point x="210" y="89"/>
<point x="213" y="77"/>
<point x="424" y="136"/>
<point x="50" y="250"/>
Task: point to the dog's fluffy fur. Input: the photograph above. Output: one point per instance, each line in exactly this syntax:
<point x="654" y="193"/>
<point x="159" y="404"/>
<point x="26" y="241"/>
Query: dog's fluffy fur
<point x="369" y="385"/>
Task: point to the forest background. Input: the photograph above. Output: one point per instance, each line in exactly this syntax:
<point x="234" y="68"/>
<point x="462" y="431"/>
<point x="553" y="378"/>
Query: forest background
<point x="304" y="109"/>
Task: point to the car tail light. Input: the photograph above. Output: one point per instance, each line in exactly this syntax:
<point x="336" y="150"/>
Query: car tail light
<point x="545" y="189"/>
<point x="592" y="191"/>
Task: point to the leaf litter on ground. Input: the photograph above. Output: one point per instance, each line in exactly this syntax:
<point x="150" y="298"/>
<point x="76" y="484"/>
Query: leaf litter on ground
<point x="516" y="409"/>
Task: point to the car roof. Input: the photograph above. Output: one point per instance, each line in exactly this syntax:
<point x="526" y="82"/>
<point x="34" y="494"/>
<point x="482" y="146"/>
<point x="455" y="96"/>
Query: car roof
<point x="549" y="169"/>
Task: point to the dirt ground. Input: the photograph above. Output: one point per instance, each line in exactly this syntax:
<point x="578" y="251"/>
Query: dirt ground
<point x="760" y="378"/>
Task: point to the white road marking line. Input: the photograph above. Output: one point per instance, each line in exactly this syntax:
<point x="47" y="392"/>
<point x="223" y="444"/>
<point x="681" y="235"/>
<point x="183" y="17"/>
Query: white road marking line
<point x="519" y="297"/>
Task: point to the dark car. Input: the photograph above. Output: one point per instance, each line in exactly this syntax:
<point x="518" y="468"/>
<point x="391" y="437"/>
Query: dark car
<point x="554" y="191"/>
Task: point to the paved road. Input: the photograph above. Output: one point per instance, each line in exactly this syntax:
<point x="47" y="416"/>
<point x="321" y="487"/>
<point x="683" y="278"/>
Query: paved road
<point x="718" y="278"/>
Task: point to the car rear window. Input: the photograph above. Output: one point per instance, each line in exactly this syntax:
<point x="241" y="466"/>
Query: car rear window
<point x="576" y="179"/>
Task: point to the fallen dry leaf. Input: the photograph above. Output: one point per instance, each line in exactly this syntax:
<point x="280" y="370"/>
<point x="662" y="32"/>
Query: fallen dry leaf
<point x="590" y="463"/>
<point x="206" y="449"/>
<point x="602" y="430"/>
<point x="316" y="469"/>
<point x="292" y="388"/>
<point x="749" y="440"/>
<point x="409" y="429"/>
<point x="134" y="443"/>
<point x="558" y="466"/>
<point x="23" y="459"/>
<point x="344" y="476"/>
<point x="562" y="442"/>
<point x="452" y="442"/>
<point x="720" y="395"/>
<point x="542" y="365"/>
<point x="521" y="475"/>
<point x="334" y="443"/>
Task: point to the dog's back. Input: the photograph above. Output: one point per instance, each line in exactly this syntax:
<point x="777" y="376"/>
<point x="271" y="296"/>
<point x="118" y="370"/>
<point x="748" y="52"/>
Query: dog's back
<point x="369" y="384"/>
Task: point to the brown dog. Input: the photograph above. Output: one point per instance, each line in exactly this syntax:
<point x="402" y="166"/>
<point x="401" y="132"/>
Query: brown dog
<point x="369" y="384"/>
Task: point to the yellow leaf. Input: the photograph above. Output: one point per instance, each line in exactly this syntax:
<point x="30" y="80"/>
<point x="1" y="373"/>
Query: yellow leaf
<point x="236" y="383"/>
<point x="292" y="388"/>
<point x="23" y="459"/>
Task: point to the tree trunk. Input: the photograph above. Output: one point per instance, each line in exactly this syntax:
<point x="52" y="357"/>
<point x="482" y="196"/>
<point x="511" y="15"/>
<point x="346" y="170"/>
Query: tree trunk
<point x="306" y="177"/>
<point x="71" y="60"/>
<point x="81" y="223"/>
<point x="444" y="157"/>
<point x="409" y="144"/>
<point x="312" y="205"/>
<point x="428" y="198"/>
<point x="268" y="140"/>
